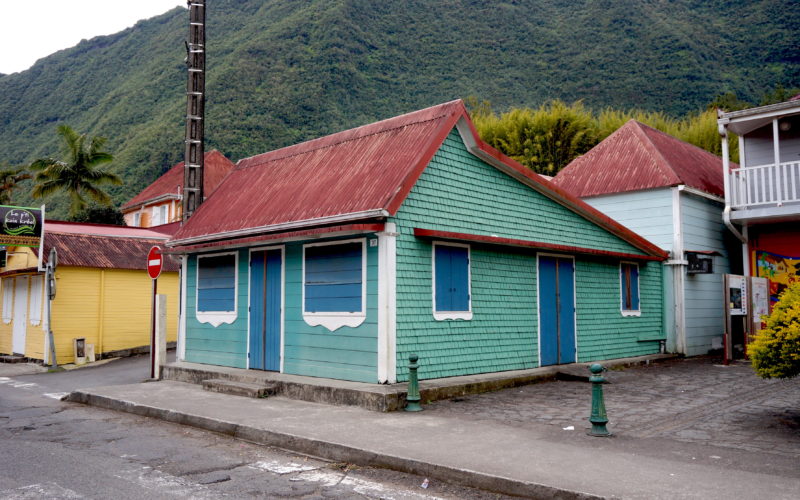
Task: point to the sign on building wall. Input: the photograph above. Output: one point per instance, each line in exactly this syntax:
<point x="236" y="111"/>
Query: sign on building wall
<point x="781" y="270"/>
<point x="21" y="226"/>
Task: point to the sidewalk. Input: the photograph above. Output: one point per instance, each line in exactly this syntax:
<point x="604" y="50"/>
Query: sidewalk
<point x="513" y="441"/>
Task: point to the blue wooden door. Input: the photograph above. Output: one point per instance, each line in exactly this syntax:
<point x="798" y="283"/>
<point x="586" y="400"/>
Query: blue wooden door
<point x="556" y="311"/>
<point x="265" y="310"/>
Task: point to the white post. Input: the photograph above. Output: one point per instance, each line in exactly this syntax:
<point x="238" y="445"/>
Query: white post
<point x="161" y="334"/>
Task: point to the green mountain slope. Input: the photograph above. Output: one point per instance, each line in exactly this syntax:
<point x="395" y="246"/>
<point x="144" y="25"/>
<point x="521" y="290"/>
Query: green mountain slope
<point x="282" y="71"/>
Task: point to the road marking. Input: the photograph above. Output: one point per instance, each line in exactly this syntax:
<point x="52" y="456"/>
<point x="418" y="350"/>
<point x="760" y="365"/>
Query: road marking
<point x="47" y="490"/>
<point x="56" y="395"/>
<point x="10" y="382"/>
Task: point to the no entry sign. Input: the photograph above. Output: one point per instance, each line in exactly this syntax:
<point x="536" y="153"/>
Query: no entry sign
<point x="154" y="262"/>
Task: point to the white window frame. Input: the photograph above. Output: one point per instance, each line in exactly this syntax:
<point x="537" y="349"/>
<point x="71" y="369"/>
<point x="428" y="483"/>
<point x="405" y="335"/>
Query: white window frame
<point x="622" y="310"/>
<point x="335" y="320"/>
<point x="137" y="219"/>
<point x="216" y="318"/>
<point x="451" y="315"/>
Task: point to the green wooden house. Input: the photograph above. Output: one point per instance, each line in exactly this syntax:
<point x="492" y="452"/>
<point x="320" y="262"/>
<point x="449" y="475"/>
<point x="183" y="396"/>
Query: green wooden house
<point x="340" y="256"/>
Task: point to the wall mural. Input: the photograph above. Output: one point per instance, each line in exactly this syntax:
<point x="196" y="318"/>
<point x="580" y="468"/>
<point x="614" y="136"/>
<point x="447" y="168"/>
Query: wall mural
<point x="780" y="269"/>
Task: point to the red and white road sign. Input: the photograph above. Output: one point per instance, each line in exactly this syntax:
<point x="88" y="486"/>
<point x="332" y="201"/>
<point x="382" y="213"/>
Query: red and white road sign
<point x="154" y="262"/>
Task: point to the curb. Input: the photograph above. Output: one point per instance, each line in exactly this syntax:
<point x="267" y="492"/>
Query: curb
<point x="336" y="451"/>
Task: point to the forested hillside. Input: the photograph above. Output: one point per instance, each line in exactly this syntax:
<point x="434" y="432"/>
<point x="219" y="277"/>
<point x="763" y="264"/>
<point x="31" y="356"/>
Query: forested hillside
<point x="282" y="71"/>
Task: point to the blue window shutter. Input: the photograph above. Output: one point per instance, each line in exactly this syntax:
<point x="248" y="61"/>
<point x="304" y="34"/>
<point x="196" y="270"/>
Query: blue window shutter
<point x="333" y="278"/>
<point x="216" y="282"/>
<point x="634" y="287"/>
<point x="452" y="278"/>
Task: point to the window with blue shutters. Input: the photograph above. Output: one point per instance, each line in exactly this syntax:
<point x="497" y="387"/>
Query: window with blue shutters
<point x="451" y="282"/>
<point x="216" y="283"/>
<point x="334" y="279"/>
<point x="629" y="288"/>
<point x="216" y="288"/>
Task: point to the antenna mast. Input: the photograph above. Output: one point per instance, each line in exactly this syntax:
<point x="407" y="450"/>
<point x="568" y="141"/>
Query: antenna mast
<point x="194" y="157"/>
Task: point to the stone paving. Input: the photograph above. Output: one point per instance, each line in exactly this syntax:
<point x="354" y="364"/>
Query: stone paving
<point x="689" y="400"/>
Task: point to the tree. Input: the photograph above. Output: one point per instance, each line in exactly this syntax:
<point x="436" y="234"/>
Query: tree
<point x="99" y="215"/>
<point x="776" y="349"/>
<point x="9" y="178"/>
<point x="78" y="175"/>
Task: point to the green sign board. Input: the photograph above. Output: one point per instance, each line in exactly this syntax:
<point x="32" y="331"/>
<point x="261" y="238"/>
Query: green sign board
<point x="20" y="226"/>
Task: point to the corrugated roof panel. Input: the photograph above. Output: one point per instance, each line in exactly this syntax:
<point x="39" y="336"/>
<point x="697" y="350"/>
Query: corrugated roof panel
<point x="638" y="157"/>
<point x="352" y="171"/>
<point x="216" y="167"/>
<point x="109" y="252"/>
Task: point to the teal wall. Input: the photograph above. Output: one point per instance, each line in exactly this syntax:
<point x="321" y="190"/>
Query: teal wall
<point x="346" y="353"/>
<point x="460" y="193"/>
<point x="603" y="333"/>
<point x="225" y="345"/>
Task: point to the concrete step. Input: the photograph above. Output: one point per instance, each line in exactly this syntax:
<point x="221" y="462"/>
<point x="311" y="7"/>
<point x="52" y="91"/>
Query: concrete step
<point x="239" y="388"/>
<point x="13" y="358"/>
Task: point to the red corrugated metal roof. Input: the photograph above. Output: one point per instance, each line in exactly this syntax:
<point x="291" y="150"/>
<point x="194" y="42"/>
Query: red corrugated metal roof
<point x="359" y="174"/>
<point x="637" y="157"/>
<point x="171" y="183"/>
<point x="102" y="245"/>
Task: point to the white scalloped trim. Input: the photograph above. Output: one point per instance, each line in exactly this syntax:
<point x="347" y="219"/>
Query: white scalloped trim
<point x="334" y="321"/>
<point x="216" y="318"/>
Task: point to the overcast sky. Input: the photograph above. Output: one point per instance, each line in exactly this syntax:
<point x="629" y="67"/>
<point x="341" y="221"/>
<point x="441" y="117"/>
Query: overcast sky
<point x="32" y="29"/>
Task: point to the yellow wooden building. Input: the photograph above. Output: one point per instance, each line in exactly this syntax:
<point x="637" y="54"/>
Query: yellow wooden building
<point x="103" y="291"/>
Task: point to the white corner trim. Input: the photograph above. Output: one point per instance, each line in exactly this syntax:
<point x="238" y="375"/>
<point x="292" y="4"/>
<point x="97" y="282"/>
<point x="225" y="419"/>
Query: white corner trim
<point x="387" y="304"/>
<point x="335" y="320"/>
<point x="181" y="348"/>
<point x="451" y="315"/>
<point x="216" y="318"/>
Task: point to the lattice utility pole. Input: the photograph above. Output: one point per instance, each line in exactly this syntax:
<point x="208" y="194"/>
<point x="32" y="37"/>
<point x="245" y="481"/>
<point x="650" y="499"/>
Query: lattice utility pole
<point x="195" y="109"/>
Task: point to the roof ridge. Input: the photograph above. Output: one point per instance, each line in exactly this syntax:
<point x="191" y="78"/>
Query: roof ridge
<point x="653" y="149"/>
<point x="301" y="151"/>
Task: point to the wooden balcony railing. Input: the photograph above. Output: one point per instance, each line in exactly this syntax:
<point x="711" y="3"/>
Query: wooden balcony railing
<point x="765" y="185"/>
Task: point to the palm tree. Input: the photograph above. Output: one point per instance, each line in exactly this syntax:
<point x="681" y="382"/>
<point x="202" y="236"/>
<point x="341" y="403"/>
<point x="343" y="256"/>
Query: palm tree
<point x="78" y="174"/>
<point x="9" y="178"/>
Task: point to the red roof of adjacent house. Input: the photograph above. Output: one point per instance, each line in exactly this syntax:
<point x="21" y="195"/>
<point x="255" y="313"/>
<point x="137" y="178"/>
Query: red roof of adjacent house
<point x="216" y="167"/>
<point x="356" y="175"/>
<point x="103" y="245"/>
<point x="637" y="157"/>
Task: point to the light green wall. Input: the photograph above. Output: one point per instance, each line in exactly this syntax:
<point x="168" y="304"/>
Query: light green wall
<point x="460" y="193"/>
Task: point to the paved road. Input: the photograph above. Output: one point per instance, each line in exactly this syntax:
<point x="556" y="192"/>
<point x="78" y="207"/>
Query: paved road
<point x="721" y="413"/>
<point x="52" y="449"/>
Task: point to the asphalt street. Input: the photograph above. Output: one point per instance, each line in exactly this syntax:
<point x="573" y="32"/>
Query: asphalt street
<point x="58" y="450"/>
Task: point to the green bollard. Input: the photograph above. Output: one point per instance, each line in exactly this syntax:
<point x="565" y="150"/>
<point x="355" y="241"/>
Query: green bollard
<point x="598" y="417"/>
<point x="412" y="399"/>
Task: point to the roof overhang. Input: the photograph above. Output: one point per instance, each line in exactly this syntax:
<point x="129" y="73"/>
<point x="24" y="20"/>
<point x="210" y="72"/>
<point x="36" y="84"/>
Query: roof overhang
<point x="158" y="199"/>
<point x="746" y="120"/>
<point x="534" y="245"/>
<point x="280" y="237"/>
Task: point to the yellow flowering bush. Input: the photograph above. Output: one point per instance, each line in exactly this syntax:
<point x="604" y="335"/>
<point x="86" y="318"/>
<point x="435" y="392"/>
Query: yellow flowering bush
<point x="775" y="352"/>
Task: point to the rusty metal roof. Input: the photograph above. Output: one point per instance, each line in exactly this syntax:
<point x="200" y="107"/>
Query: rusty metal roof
<point x="638" y="157"/>
<point x="358" y="175"/>
<point x="103" y="246"/>
<point x="170" y="184"/>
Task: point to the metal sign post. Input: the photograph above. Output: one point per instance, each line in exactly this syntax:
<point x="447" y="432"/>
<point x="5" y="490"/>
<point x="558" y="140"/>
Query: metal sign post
<point x="50" y="286"/>
<point x="155" y="262"/>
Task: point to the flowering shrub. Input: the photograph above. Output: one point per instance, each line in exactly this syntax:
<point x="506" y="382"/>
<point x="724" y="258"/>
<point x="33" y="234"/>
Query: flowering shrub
<point x="775" y="352"/>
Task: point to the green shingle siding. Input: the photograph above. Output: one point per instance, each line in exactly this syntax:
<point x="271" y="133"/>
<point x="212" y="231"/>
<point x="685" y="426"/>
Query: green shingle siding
<point x="458" y="192"/>
<point x="603" y="333"/>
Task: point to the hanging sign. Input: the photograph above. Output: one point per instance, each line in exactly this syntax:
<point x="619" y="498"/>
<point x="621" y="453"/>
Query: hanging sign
<point x="20" y="226"/>
<point x="737" y="295"/>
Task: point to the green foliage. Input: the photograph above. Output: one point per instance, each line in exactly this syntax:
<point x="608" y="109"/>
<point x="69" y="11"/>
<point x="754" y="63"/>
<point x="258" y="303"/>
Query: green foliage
<point x="548" y="138"/>
<point x="544" y="139"/>
<point x="283" y="71"/>
<point x="10" y="177"/>
<point x="775" y="351"/>
<point x="99" y="215"/>
<point x="77" y="175"/>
